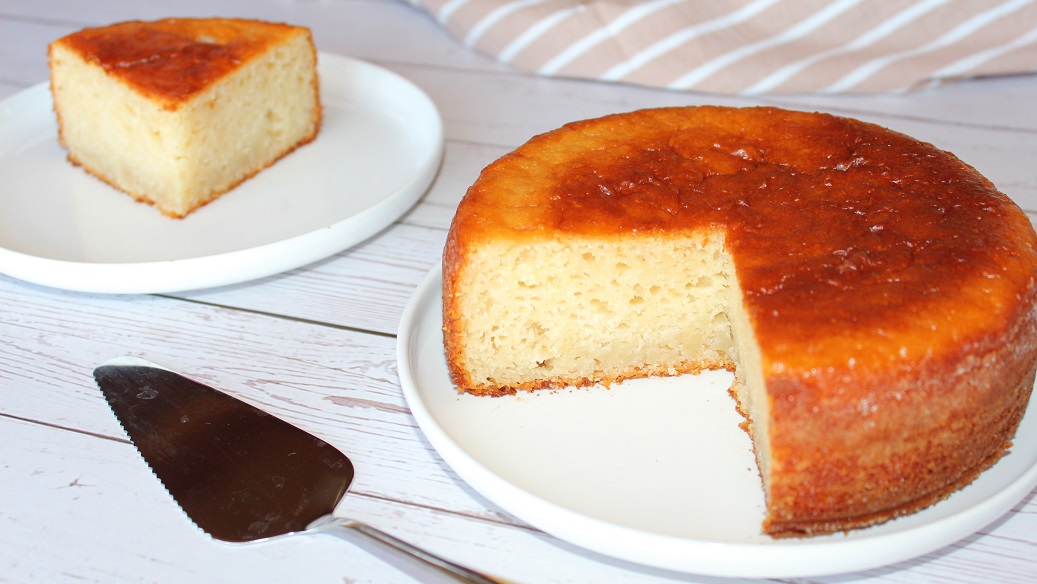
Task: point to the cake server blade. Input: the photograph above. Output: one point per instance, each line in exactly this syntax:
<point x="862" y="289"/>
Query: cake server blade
<point x="239" y="473"/>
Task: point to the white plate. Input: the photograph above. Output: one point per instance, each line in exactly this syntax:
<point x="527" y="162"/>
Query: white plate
<point x="656" y="471"/>
<point x="377" y="152"/>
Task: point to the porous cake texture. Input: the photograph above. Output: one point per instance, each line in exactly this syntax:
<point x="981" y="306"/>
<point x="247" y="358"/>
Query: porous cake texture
<point x="875" y="296"/>
<point x="177" y="112"/>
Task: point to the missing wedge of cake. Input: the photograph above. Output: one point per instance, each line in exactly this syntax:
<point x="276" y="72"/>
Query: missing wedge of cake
<point x="875" y="296"/>
<point x="177" y="112"/>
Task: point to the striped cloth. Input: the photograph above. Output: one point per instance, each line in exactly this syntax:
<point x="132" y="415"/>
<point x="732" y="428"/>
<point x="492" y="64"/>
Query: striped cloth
<point x="752" y="46"/>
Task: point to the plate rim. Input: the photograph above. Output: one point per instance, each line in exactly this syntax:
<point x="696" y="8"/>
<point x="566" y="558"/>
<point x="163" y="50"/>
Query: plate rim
<point x="778" y="558"/>
<point x="250" y="262"/>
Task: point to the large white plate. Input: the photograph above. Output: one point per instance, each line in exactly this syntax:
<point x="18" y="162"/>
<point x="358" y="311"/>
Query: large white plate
<point x="377" y="152"/>
<point x="657" y="471"/>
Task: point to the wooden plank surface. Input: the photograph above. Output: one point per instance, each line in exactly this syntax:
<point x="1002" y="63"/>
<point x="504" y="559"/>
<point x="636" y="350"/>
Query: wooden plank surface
<point x="317" y="345"/>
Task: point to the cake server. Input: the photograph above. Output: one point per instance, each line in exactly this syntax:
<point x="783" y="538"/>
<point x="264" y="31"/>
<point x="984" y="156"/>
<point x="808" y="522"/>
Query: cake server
<point x="241" y="474"/>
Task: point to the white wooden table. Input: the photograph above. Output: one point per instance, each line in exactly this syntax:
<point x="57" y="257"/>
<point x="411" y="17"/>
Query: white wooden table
<point x="317" y="345"/>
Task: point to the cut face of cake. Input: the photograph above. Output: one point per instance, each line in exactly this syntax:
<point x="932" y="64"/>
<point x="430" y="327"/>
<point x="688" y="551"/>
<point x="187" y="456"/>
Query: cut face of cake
<point x="178" y="111"/>
<point x="876" y="297"/>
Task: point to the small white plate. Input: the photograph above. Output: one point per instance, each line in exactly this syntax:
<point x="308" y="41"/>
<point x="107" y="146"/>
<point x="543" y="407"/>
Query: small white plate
<point x="378" y="150"/>
<point x="657" y="471"/>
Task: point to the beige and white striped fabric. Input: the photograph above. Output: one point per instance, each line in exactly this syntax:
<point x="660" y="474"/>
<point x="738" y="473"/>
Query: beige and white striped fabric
<point x="752" y="46"/>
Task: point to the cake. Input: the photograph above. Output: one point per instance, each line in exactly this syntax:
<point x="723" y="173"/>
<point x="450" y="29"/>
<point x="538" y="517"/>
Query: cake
<point x="874" y="295"/>
<point x="177" y="112"/>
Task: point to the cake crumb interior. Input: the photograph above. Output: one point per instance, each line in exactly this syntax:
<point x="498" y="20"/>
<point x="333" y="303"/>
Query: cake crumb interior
<point x="588" y="310"/>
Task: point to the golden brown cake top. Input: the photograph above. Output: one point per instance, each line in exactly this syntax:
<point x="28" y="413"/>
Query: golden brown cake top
<point x="854" y="245"/>
<point x="171" y="60"/>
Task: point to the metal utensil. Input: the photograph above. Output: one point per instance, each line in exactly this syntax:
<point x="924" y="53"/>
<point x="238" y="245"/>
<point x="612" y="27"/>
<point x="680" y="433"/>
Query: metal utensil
<point x="241" y="474"/>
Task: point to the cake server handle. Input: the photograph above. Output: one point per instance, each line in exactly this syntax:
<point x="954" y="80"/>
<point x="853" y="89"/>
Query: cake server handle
<point x="350" y="530"/>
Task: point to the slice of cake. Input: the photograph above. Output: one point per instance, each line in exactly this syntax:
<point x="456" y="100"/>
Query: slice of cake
<point x="876" y="297"/>
<point x="177" y="112"/>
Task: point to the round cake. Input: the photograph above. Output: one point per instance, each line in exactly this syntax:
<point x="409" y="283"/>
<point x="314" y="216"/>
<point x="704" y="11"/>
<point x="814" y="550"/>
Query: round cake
<point x="874" y="295"/>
